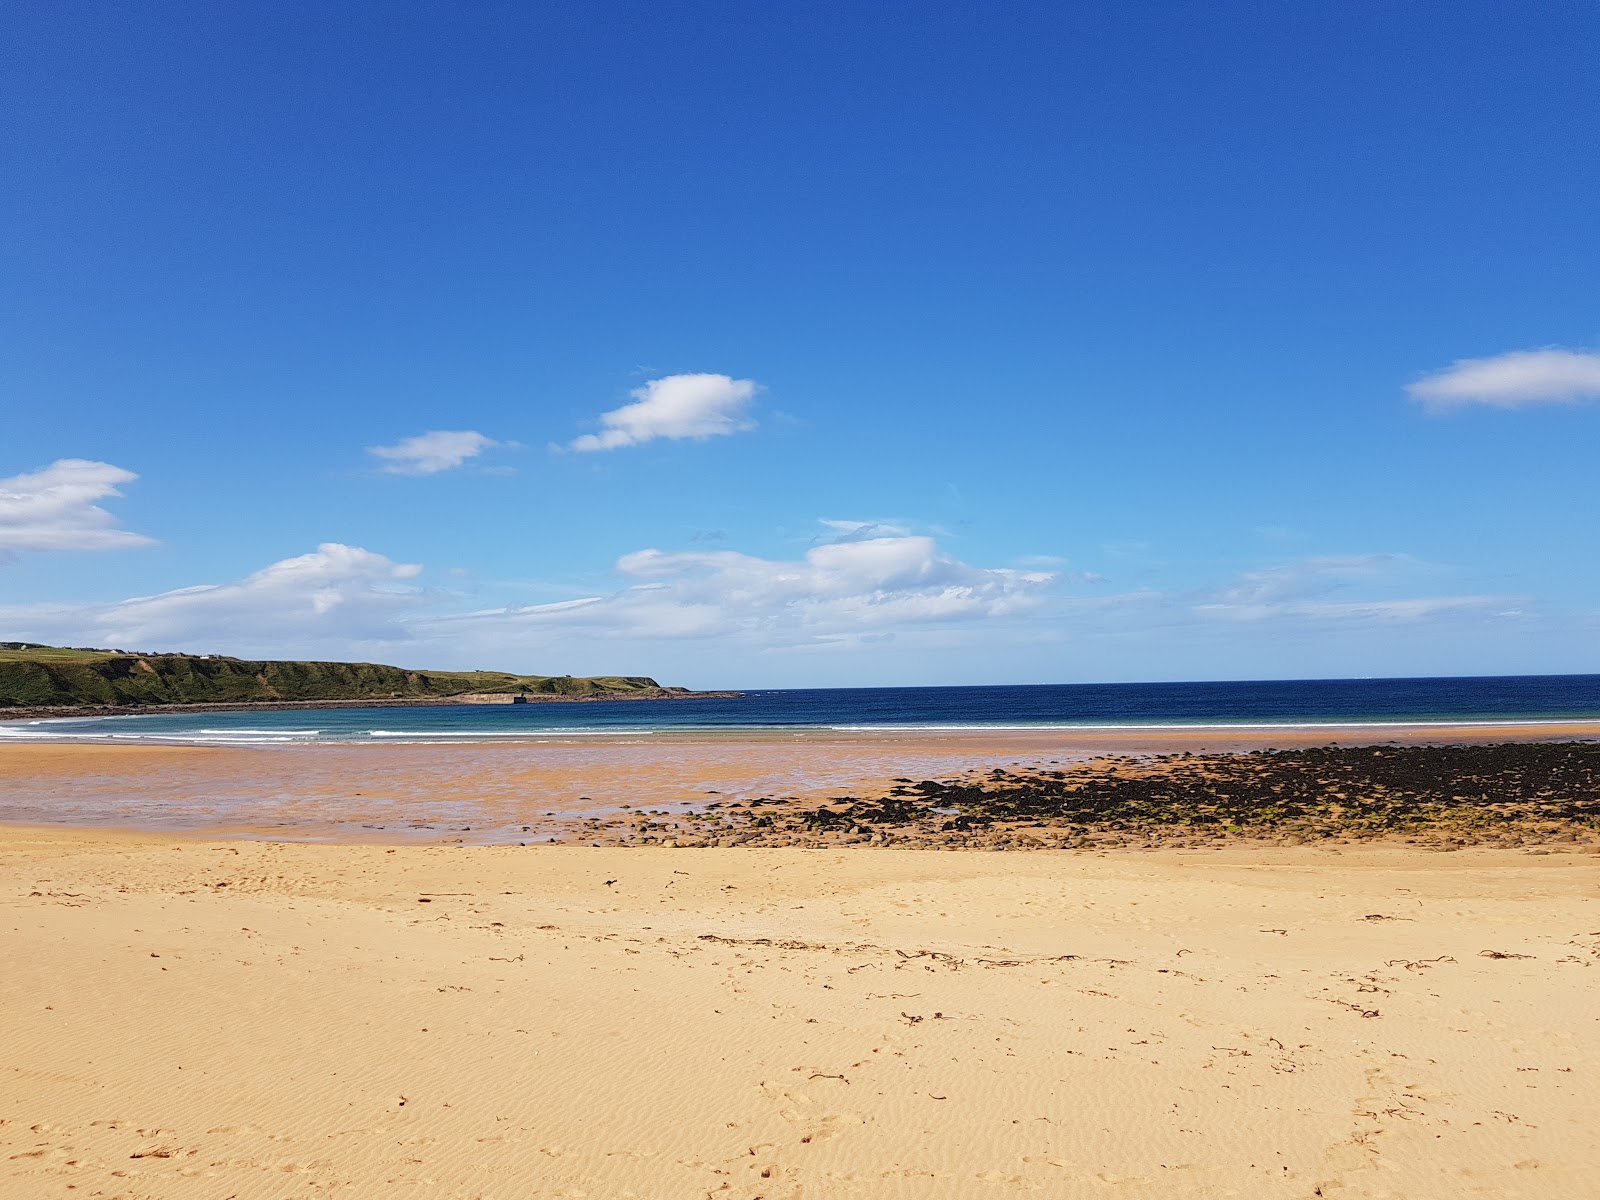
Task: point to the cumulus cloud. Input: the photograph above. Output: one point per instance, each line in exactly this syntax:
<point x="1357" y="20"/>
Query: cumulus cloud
<point x="875" y="610"/>
<point x="675" y="406"/>
<point x="55" y="509"/>
<point x="1519" y="379"/>
<point x="840" y="588"/>
<point x="335" y="597"/>
<point x="343" y="601"/>
<point x="432" y="452"/>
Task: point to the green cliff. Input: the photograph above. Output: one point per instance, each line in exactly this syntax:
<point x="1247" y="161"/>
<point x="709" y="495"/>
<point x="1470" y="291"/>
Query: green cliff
<point x="34" y="676"/>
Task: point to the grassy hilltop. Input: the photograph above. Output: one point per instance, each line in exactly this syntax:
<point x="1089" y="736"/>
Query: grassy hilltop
<point x="33" y="676"/>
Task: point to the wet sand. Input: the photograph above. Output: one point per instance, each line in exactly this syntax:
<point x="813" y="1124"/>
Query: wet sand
<point x="552" y="787"/>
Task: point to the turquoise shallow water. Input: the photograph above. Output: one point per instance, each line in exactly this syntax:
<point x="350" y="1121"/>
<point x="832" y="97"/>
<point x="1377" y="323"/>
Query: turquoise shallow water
<point x="1333" y="703"/>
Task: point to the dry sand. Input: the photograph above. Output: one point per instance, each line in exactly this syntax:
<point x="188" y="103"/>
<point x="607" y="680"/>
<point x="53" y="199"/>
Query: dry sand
<point x="255" y="1019"/>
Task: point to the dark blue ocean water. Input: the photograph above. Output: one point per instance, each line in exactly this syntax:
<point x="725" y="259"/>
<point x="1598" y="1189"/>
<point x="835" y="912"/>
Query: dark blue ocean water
<point x="1331" y="702"/>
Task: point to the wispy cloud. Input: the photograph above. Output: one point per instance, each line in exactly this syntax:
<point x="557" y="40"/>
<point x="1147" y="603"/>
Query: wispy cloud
<point x="335" y="597"/>
<point x="860" y="531"/>
<point x="675" y="406"/>
<point x="55" y="509"/>
<point x="837" y="590"/>
<point x="1316" y="589"/>
<point x="1408" y="609"/>
<point x="343" y="600"/>
<point x="1519" y="379"/>
<point x="432" y="452"/>
<point x="890" y="607"/>
<point x="1305" y="578"/>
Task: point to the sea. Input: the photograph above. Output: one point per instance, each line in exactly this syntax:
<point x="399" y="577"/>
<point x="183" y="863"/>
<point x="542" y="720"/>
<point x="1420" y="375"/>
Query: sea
<point x="1354" y="705"/>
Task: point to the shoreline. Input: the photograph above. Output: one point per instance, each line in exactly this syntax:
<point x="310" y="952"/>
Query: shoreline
<point x="828" y="789"/>
<point x="68" y="712"/>
<point x="1153" y="737"/>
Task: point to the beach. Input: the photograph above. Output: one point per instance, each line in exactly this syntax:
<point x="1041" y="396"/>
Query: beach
<point x="564" y="786"/>
<point x="596" y="967"/>
<point x="251" y="1018"/>
<point x="792" y="602"/>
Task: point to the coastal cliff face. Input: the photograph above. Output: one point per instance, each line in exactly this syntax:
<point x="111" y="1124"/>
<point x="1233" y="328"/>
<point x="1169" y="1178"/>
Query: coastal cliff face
<point x="47" y="677"/>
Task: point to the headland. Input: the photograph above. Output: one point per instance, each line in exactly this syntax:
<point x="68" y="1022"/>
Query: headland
<point x="56" y="681"/>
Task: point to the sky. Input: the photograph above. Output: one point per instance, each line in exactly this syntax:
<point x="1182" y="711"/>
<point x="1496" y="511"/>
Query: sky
<point x="756" y="345"/>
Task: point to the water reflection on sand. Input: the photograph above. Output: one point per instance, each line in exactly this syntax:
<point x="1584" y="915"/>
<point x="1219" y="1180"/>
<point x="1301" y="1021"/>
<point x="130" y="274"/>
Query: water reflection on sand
<point x="533" y="791"/>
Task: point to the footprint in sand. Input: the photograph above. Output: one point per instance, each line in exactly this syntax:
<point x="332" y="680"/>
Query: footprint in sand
<point x="1013" y="1181"/>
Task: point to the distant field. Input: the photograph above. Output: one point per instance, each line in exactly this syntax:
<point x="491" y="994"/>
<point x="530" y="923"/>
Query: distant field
<point x="51" y="654"/>
<point x="52" y="677"/>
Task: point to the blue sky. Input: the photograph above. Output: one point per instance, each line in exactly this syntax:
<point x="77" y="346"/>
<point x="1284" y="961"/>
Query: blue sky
<point x="939" y="343"/>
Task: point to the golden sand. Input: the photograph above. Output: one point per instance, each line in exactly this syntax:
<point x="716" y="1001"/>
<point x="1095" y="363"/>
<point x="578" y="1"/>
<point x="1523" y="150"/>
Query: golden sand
<point x="191" y="1018"/>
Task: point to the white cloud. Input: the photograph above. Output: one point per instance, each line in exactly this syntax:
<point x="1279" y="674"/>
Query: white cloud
<point x="1301" y="580"/>
<point x="1519" y="379"/>
<point x="860" y="531"/>
<point x="1411" y="609"/>
<point x="883" y="610"/>
<point x="55" y="509"/>
<point x="840" y="588"/>
<point x="432" y="452"/>
<point x="897" y="594"/>
<point x="676" y="406"/>
<point x="1306" y="589"/>
<point x="334" y="598"/>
